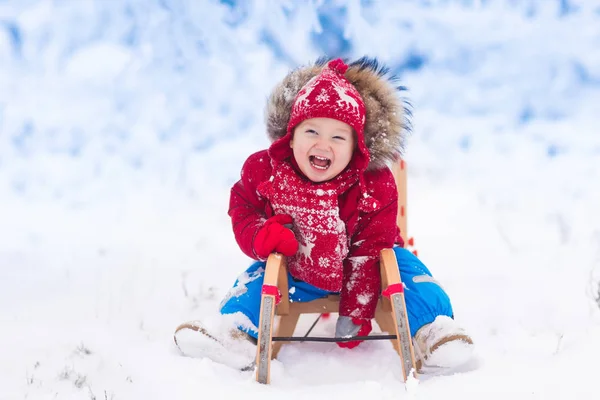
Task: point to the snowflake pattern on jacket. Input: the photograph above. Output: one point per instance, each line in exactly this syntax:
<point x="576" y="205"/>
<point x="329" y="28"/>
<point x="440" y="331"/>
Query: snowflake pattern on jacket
<point x="321" y="233"/>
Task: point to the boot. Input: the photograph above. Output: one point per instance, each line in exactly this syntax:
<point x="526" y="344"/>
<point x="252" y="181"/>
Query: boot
<point x="442" y="344"/>
<point x="228" y="346"/>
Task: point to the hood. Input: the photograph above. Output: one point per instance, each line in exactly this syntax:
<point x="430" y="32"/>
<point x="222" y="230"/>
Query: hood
<point x="386" y="124"/>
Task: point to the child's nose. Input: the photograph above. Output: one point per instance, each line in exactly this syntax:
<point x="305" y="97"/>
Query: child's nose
<point x="322" y="144"/>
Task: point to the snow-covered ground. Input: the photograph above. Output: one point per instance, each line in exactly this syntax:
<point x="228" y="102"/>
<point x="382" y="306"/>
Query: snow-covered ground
<point x="123" y="126"/>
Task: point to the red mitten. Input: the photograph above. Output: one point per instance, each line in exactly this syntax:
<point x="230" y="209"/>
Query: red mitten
<point x="273" y="236"/>
<point x="365" y="329"/>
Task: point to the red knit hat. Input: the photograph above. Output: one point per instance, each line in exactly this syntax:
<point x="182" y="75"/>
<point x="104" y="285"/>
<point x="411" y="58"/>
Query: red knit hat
<point x="329" y="95"/>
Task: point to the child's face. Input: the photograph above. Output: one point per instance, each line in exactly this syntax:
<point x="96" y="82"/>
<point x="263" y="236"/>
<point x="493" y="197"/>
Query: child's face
<point x="322" y="147"/>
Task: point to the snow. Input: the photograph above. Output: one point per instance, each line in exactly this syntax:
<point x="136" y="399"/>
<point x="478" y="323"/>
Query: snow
<point x="124" y="124"/>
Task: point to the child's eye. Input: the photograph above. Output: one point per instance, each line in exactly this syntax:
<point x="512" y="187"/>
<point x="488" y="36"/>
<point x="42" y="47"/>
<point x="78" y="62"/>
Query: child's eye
<point x="311" y="131"/>
<point x="339" y="138"/>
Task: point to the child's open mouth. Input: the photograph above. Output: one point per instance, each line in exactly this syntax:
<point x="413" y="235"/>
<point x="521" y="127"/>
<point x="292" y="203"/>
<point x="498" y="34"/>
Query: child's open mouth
<point x="318" y="162"/>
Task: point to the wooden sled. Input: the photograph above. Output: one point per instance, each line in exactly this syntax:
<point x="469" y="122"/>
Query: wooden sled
<point x="391" y="315"/>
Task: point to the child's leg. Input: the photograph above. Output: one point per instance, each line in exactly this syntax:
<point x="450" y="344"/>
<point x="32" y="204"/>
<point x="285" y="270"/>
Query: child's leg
<point x="425" y="298"/>
<point x="245" y="296"/>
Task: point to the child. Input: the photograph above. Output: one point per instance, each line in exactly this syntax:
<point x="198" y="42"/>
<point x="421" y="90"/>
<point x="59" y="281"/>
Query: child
<point x="323" y="196"/>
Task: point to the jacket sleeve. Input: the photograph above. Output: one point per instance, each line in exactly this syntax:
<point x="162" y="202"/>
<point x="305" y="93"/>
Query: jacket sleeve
<point x="375" y="231"/>
<point x="247" y="208"/>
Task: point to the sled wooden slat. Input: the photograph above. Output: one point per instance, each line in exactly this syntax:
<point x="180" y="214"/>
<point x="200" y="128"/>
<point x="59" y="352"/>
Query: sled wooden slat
<point x="399" y="171"/>
<point x="329" y="304"/>
<point x="267" y="311"/>
<point x="390" y="275"/>
<point x="283" y="308"/>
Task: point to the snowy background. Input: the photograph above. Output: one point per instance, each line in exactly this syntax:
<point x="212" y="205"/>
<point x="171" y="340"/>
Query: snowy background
<point x="124" y="123"/>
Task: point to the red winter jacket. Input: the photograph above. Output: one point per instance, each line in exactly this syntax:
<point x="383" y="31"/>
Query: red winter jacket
<point x="368" y="232"/>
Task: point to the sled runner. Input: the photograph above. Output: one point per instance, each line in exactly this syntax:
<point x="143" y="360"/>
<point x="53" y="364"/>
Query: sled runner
<point x="391" y="314"/>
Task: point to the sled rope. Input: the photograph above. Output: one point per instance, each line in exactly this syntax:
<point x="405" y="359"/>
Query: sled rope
<point x="327" y="339"/>
<point x="313" y="325"/>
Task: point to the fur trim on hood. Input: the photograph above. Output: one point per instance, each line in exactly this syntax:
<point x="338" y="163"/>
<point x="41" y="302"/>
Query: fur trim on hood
<point x="387" y="114"/>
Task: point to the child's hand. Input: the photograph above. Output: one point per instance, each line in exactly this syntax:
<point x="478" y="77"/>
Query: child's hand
<point x="273" y="236"/>
<point x="349" y="327"/>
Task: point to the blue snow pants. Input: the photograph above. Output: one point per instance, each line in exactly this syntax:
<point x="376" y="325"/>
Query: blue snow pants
<point x="425" y="298"/>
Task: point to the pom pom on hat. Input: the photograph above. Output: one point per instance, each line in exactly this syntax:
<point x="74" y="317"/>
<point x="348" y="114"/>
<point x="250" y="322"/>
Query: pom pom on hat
<point x="338" y="66"/>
